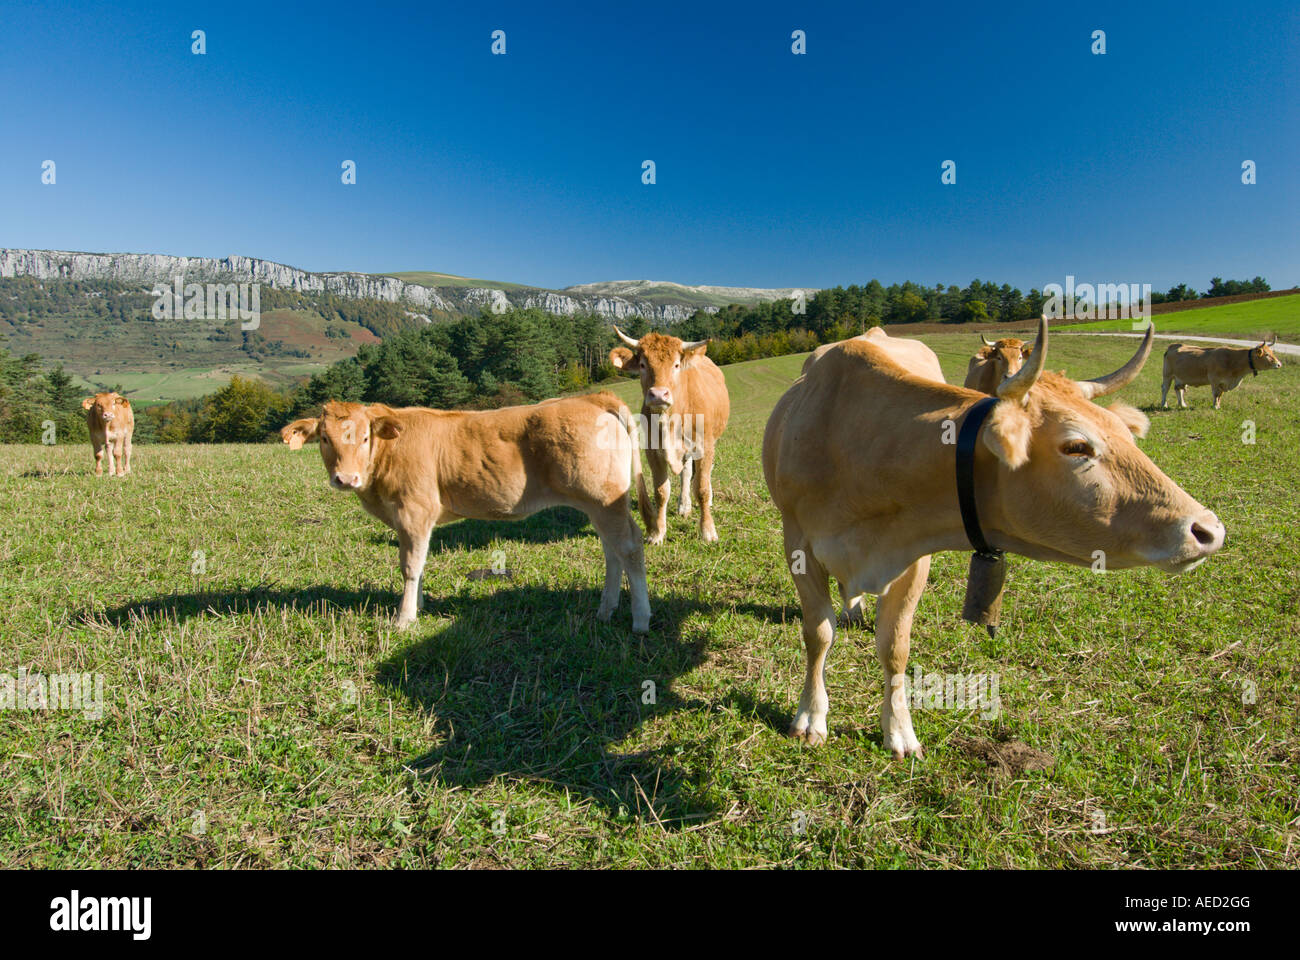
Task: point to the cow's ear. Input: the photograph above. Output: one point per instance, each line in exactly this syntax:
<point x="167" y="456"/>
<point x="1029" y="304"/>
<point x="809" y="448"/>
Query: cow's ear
<point x="1026" y="349"/>
<point x="299" y="432"/>
<point x="983" y="353"/>
<point x="87" y="403"/>
<point x="123" y="401"/>
<point x="624" y="359"/>
<point x="1133" y="418"/>
<point x="388" y="428"/>
<point x="1008" y="433"/>
<point x="696" y="351"/>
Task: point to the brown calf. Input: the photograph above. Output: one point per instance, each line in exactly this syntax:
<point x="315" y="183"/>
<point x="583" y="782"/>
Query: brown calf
<point x="111" y="423"/>
<point x="685" y="406"/>
<point x="415" y="468"/>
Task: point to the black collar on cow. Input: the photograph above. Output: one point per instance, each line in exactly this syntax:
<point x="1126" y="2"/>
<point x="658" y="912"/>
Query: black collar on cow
<point x="1250" y="358"/>
<point x="966" y="438"/>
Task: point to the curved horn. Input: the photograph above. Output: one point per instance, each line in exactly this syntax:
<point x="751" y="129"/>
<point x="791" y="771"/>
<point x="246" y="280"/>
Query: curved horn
<point x="693" y="344"/>
<point x="987" y="341"/>
<point x="1273" y="341"/>
<point x="1017" y="386"/>
<point x="1125" y="374"/>
<point x="626" y="339"/>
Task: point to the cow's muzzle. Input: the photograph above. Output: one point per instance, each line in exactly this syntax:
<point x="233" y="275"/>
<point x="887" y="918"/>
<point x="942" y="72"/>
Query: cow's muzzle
<point x="1203" y="535"/>
<point x="346" y="481"/>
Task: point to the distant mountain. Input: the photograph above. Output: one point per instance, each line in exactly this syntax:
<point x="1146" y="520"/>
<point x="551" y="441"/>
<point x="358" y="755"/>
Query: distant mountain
<point x="424" y="292"/>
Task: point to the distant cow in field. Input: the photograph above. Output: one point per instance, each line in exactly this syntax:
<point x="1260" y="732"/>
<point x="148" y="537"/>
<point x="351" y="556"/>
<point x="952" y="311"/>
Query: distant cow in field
<point x="111" y="423"/>
<point x="1220" y="367"/>
<point x="685" y="407"/>
<point x="415" y="468"/>
<point x="994" y="362"/>
<point x="856" y="460"/>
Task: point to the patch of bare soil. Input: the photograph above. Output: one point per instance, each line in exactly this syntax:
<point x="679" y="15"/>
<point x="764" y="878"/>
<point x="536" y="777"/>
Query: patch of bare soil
<point x="1009" y="758"/>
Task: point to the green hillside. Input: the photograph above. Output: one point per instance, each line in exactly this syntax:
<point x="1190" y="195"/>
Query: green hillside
<point x="1251" y="319"/>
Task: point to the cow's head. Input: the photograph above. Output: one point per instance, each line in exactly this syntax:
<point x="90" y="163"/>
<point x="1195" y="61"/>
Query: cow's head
<point x="1071" y="481"/>
<point x="1264" y="357"/>
<point x="660" y="359"/>
<point x="105" y="407"/>
<point x="349" y="434"/>
<point x="1007" y="355"/>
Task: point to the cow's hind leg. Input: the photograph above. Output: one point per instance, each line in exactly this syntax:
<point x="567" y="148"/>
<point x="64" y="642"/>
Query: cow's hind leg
<point x="1164" y="391"/>
<point x="126" y="457"/>
<point x="813" y="584"/>
<point x="1181" y="390"/>
<point x="684" y="499"/>
<point x="119" y="451"/>
<point x="621" y="540"/>
<point x="852" y="613"/>
<point x="894" y="612"/>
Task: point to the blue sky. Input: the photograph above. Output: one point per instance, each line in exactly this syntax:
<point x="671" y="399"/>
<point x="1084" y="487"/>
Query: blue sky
<point x="773" y="169"/>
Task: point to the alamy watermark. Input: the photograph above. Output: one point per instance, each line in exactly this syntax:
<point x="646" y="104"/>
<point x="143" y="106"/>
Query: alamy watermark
<point x="55" y="691"/>
<point x="209" y="301"/>
<point x="954" y="691"/>
<point x="1100" y="301"/>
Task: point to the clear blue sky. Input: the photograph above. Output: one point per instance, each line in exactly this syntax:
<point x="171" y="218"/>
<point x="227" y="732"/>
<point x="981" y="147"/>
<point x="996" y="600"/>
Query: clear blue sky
<point x="773" y="169"/>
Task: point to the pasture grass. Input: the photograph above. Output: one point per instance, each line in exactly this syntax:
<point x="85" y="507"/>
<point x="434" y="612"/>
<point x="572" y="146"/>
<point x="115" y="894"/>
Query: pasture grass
<point x="260" y="712"/>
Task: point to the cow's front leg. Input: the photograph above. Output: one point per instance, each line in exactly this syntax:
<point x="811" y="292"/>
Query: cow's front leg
<point x="661" y="473"/>
<point x="1218" y="393"/>
<point x="704" y="495"/>
<point x="413" y="548"/>
<point x="99" y="458"/>
<point x="684" y="498"/>
<point x="894" y="613"/>
<point x="813" y="584"/>
<point x="108" y="455"/>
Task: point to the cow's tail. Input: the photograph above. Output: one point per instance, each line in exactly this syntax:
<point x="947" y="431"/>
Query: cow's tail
<point x="636" y="478"/>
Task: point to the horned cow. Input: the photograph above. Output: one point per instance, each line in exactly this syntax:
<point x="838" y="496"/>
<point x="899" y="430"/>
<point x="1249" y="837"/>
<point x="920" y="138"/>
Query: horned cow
<point x="111" y="423"/>
<point x="685" y="406"/>
<point x="855" y="460"/>
<point x="1222" y="368"/>
<point x="994" y="362"/>
<point x="414" y="468"/>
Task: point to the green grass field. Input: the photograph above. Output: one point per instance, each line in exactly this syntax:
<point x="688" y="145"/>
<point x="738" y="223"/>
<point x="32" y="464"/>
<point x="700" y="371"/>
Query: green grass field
<point x="1250" y="319"/>
<point x="259" y="711"/>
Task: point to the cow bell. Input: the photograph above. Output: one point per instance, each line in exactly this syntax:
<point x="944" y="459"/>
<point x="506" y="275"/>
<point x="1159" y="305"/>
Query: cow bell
<point x="984" y="585"/>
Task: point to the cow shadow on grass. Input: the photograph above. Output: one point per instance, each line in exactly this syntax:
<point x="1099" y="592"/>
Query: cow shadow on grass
<point x="525" y="684"/>
<point x="548" y="526"/>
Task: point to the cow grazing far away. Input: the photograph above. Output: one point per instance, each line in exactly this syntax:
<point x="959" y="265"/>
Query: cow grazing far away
<point x="415" y="468"/>
<point x="858" y="456"/>
<point x="1222" y="368"/>
<point x="111" y="423"/>
<point x="994" y="362"/>
<point x="685" y="407"/>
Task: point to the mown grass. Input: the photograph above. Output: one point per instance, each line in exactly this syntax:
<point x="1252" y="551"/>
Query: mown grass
<point x="262" y="712"/>
<point x="1279" y="316"/>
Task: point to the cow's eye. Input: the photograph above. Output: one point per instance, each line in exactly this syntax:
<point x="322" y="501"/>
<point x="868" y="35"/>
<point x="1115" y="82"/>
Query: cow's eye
<point x="324" y="439"/>
<point x="1077" y="448"/>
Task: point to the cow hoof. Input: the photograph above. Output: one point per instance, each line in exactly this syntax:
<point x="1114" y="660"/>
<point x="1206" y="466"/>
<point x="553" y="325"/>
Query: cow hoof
<point x="642" y="626"/>
<point x="710" y="535"/>
<point x="812" y="738"/>
<point x="402" y="623"/>
<point x="916" y="751"/>
<point x="655" y="538"/>
<point x="604" y="615"/>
